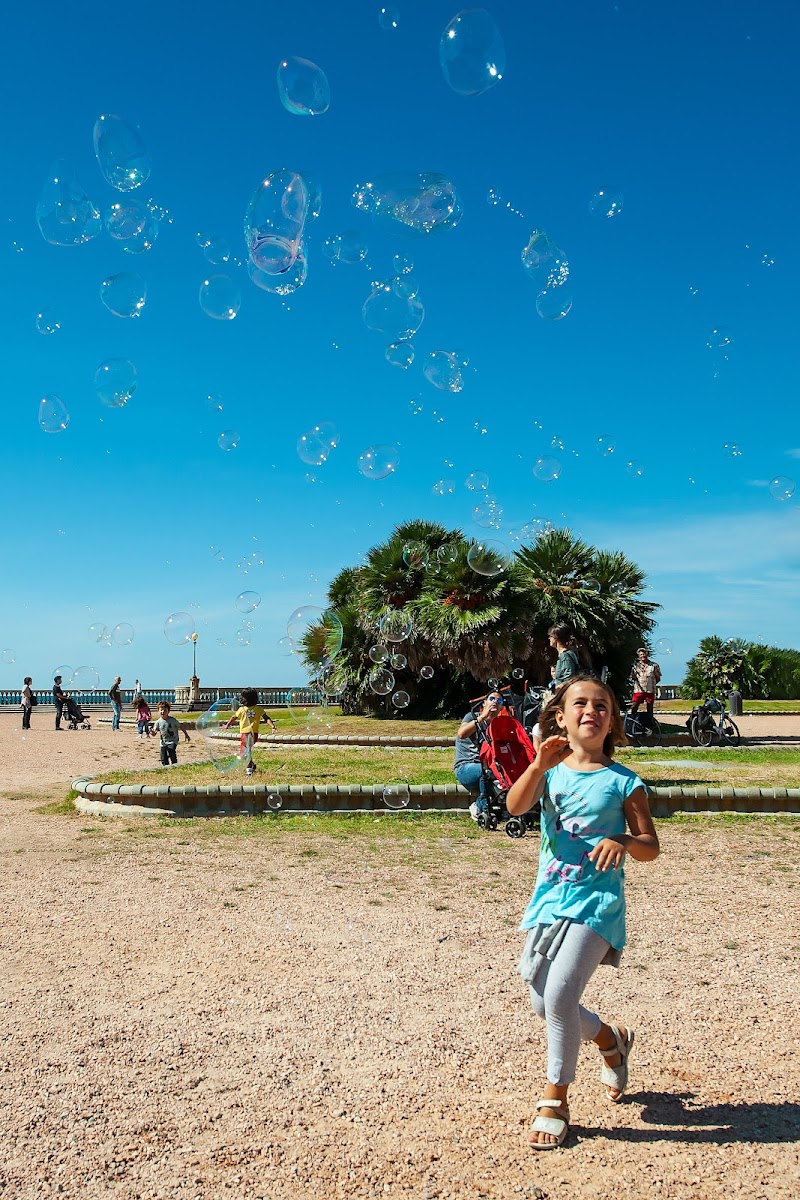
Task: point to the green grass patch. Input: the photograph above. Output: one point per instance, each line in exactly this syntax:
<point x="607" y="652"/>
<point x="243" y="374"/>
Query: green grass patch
<point x="751" y="707"/>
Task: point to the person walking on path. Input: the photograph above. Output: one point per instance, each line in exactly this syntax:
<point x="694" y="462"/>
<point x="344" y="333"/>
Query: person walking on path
<point x="646" y="678"/>
<point x="576" y="917"/>
<point x="115" y="696"/>
<point x="28" y="700"/>
<point x="59" y="699"/>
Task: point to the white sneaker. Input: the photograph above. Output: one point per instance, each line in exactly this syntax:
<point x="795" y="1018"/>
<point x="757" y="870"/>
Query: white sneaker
<point x="473" y="810"/>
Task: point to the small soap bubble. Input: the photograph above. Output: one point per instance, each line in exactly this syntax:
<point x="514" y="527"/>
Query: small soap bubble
<point x="122" y="634"/>
<point x="315" y="445"/>
<point x="243" y="637"/>
<point x="96" y="631"/>
<point x="767" y="260"/>
<point x="214" y="403"/>
<point x="426" y="672"/>
<point x="247" y="602"/>
<point x="416" y="555"/>
<point x="388" y="16"/>
<point x="274" y="802"/>
<point x="718" y="338"/>
<point x="378" y="462"/>
<point x="781" y="487"/>
<point x="121" y="153"/>
<point x="9" y="657"/>
<point x="53" y="415"/>
<point x="443" y="369"/>
<point x="284" y="284"/>
<point x="634" y="469"/>
<point x="228" y="439"/>
<point x="447" y="554"/>
<point x="517" y="674"/>
<point x="400" y="354"/>
<point x="379" y="654"/>
<point x="476" y="481"/>
<point x="303" y="87"/>
<point x="178" y="628"/>
<point x="487" y="558"/>
<point x="732" y="450"/>
<point x="124" y="294"/>
<point x="285" y="646"/>
<point x="663" y="646"/>
<point x="398" y="662"/>
<point x="557" y="442"/>
<point x="202" y="239"/>
<point x="115" y="382"/>
<point x="380" y="681"/>
<point x="395" y="626"/>
<point x="397" y="796"/>
<point x="220" y="297"/>
<point x="47" y="322"/>
<point x="416" y="406"/>
<point x="590" y="585"/>
<point x="401" y="265"/>
<point x="405" y="286"/>
<point x="397" y="316"/>
<point x="217" y="250"/>
<point x="401" y="699"/>
<point x="471" y="52"/>
<point x="488" y="513"/>
<point x="606" y="203"/>
<point x="544" y="262"/>
<point x="547" y="469"/>
<point x="605" y="445"/>
<point x="65" y="214"/>
<point x="444" y="487"/>
<point x="554" y="303"/>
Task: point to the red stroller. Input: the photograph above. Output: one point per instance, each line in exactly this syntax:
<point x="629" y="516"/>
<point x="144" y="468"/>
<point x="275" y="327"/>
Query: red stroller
<point x="505" y="752"/>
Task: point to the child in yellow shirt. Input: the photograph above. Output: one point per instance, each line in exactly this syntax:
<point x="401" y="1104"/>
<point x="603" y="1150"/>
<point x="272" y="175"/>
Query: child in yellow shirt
<point x="249" y="715"/>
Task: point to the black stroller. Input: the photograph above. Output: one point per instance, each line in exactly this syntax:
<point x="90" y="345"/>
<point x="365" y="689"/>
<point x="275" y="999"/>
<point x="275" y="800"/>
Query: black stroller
<point x="505" y="750"/>
<point x="75" y="715"/>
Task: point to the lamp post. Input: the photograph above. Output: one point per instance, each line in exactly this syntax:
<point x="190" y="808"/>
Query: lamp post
<point x="194" y="655"/>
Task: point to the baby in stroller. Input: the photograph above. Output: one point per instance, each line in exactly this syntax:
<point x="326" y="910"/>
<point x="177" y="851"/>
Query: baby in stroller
<point x="75" y="716"/>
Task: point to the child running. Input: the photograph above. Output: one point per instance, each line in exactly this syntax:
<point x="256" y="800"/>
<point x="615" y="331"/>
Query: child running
<point x="170" y="730"/>
<point x="576" y="916"/>
<point x="249" y="715"/>
<point x="143" y="717"/>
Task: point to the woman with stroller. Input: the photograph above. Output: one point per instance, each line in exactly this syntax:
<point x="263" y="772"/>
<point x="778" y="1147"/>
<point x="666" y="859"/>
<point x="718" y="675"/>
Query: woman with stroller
<point x="466" y="765"/>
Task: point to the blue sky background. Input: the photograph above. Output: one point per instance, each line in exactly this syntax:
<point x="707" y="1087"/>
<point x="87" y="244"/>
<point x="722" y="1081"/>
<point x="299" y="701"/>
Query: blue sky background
<point x="689" y="111"/>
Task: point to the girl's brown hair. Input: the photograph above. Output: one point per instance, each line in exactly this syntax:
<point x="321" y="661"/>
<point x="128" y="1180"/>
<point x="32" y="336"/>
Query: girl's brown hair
<point x="549" y="725"/>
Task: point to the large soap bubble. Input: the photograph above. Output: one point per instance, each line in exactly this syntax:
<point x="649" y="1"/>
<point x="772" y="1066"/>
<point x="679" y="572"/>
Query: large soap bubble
<point x="315" y="445"/>
<point x="400" y="354"/>
<point x="443" y="369"/>
<point x="378" y="462"/>
<point x="554" y="302"/>
<point x="178" y="628"/>
<point x="472" y="53"/>
<point x="380" y="681"/>
<point x="53" y="415"/>
<point x="132" y="226"/>
<point x="124" y="294"/>
<point x="316" y="631"/>
<point x="221" y="745"/>
<point x="781" y="487"/>
<point x="409" y="203"/>
<point x="229" y="439"/>
<point x="275" y="219"/>
<point x="220" y="297"/>
<point x="280" y="285"/>
<point x="487" y="558"/>
<point x="247" y="601"/>
<point x="395" y="626"/>
<point x="115" y="382"/>
<point x="386" y="311"/>
<point x="121" y="154"/>
<point x="546" y="468"/>
<point x="544" y="262"/>
<point x="85" y="679"/>
<point x="65" y="214"/>
<point x="303" y="87"/>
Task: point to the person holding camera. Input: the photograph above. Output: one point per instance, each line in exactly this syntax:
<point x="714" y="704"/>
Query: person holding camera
<point x="467" y="765"/>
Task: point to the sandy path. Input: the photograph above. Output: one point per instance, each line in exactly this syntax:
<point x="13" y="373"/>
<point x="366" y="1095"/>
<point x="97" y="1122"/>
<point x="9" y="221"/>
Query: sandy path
<point x="301" y="1017"/>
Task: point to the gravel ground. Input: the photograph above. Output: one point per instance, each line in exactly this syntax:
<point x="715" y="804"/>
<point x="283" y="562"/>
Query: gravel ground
<point x="194" y="1015"/>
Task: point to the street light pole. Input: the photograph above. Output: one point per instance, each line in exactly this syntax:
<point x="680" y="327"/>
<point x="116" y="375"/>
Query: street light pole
<point x="194" y="655"/>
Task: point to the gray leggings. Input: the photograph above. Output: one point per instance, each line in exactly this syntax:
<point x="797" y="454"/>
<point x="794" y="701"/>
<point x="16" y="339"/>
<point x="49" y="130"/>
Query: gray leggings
<point x="556" y="994"/>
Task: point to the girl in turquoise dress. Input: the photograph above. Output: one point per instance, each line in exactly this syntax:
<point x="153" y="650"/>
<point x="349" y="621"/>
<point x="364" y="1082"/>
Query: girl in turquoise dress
<point x="594" y="813"/>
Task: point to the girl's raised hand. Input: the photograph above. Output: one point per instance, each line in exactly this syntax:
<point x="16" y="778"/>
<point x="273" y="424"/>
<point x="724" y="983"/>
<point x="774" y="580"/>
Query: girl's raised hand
<point x="552" y="751"/>
<point x="607" y="854"/>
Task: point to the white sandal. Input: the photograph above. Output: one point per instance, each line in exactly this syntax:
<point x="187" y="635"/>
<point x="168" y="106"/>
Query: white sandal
<point x="617" y="1077"/>
<point x="557" y="1127"/>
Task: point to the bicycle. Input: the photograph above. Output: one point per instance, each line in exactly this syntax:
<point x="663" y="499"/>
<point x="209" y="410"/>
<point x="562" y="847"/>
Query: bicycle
<point x="704" y="728"/>
<point x="641" y="729"/>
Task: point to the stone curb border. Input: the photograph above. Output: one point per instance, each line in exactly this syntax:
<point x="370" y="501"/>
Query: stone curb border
<point x="301" y="799"/>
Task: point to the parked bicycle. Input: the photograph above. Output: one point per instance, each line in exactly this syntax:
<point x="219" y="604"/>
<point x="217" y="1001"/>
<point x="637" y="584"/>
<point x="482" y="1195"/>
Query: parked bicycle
<point x="641" y="729"/>
<point x="710" y="720"/>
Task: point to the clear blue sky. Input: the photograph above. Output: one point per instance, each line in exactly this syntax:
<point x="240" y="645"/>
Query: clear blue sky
<point x="689" y="111"/>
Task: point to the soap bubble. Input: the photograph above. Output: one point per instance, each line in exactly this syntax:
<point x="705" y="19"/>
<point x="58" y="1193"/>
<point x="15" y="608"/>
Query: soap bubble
<point x="426" y="672"/>
<point x="121" y="154"/>
<point x="9" y="657"/>
<point x="53" y="415"/>
<point x="397" y="795"/>
<point x="554" y="303"/>
<point x="389" y="16"/>
<point x="781" y="487"/>
<point x="718" y="338"/>
<point x="285" y="646"/>
<point x="220" y="297"/>
<point x="476" y="481"/>
<point x="316" y="632"/>
<point x="47" y="322"/>
<point x="402" y="265"/>
<point x="605" y="445"/>
<point x="405" y="286"/>
<point x="398" y="662"/>
<point x="606" y="203"/>
<point x="228" y="439"/>
<point x="380" y="681"/>
<point x="472" y="53"/>
<point x="274" y="222"/>
<point x="443" y="369"/>
<point x="732" y="450"/>
<point x="416" y="555"/>
<point x="85" y="679"/>
<point x="634" y="469"/>
<point x="378" y="462"/>
<point x="399" y="317"/>
<point x="544" y="262"/>
<point x="243" y="637"/>
<point x="217" y="250"/>
<point x="247" y="601"/>
<point x="315" y="445"/>
<point x="222" y="745"/>
<point x="518" y="674"/>
<point x="65" y="214"/>
<point x="547" y="469"/>
<point x="414" y="204"/>
<point x="347" y="247"/>
<point x="590" y="585"/>
<point x="214" y="405"/>
<point x="487" y="558"/>
<point x="124" y="294"/>
<point x="274" y="801"/>
<point x="122" y="634"/>
<point x="314" y="720"/>
<point x="447" y="554"/>
<point x="133" y="227"/>
<point x="663" y="646"/>
<point x="444" y="487"/>
<point x="178" y="629"/>
<point x="488" y="513"/>
<point x="379" y="654"/>
<point x="281" y="285"/>
<point x="115" y="382"/>
<point x="395" y="626"/>
<point x="303" y="87"/>
<point x="313" y="196"/>
<point x="401" y="699"/>
<point x="96" y="631"/>
<point x="400" y="354"/>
